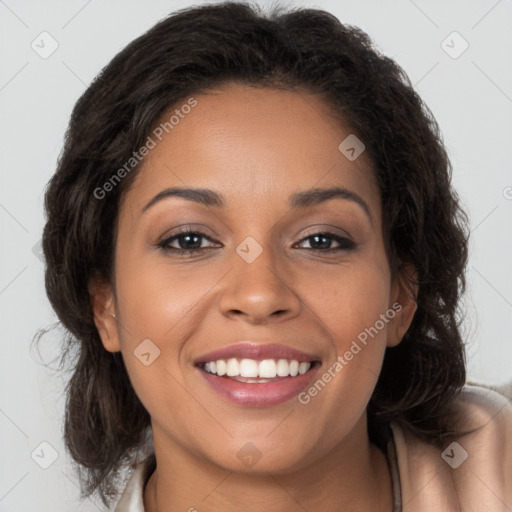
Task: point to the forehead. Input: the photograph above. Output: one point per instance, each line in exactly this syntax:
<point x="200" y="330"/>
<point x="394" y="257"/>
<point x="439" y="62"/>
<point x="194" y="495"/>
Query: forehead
<point x="253" y="144"/>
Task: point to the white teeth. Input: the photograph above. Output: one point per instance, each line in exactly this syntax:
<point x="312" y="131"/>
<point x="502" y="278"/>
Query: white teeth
<point x="267" y="369"/>
<point x="233" y="368"/>
<point x="250" y="368"/>
<point x="303" y="368"/>
<point x="294" y="368"/>
<point x="221" y="367"/>
<point x="283" y="368"/>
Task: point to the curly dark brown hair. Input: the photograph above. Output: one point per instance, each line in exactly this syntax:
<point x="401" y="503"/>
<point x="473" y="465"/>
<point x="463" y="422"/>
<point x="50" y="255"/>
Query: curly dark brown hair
<point x="191" y="52"/>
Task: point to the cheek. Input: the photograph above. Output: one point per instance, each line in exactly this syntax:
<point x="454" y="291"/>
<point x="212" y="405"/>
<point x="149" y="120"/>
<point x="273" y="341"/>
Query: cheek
<point x="156" y="302"/>
<point x="357" y="313"/>
<point x="158" y="311"/>
<point x="353" y="302"/>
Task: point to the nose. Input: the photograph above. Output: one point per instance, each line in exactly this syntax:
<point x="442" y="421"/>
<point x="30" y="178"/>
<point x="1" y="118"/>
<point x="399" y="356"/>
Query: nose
<point x="259" y="292"/>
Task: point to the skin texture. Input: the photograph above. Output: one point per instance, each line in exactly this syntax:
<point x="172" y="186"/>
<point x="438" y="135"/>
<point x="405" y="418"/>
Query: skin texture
<point x="256" y="147"/>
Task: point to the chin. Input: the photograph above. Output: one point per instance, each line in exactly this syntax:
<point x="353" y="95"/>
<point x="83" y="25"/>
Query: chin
<point x="263" y="456"/>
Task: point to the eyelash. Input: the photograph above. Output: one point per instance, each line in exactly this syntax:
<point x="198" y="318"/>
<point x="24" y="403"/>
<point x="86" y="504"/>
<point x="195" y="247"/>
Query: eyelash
<point x="345" y="243"/>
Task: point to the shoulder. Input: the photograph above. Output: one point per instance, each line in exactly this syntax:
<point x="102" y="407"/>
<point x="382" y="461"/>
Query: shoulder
<point x="132" y="497"/>
<point x="484" y="407"/>
<point x="473" y="471"/>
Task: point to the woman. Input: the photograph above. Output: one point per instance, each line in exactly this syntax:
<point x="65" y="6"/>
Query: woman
<point x="253" y="241"/>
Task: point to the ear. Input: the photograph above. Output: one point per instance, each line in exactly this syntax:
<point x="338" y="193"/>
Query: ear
<point x="103" y="306"/>
<point x="404" y="291"/>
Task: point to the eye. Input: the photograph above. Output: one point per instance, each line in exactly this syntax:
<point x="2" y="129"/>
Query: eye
<point x="188" y="242"/>
<point x="322" y="242"/>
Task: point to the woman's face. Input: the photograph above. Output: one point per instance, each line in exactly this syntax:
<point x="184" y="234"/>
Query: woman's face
<point x="265" y="275"/>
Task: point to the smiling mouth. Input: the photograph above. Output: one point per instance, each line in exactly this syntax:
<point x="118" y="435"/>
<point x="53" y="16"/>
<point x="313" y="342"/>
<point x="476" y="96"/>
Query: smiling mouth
<point x="253" y="371"/>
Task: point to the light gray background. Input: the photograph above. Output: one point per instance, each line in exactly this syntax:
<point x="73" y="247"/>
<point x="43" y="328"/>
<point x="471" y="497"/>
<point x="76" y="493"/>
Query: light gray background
<point x="471" y="97"/>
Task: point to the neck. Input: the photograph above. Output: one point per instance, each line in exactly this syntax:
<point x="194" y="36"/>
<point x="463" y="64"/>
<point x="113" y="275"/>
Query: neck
<point x="352" y="477"/>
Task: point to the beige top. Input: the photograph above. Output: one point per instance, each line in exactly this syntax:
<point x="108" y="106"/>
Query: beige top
<point x="473" y="473"/>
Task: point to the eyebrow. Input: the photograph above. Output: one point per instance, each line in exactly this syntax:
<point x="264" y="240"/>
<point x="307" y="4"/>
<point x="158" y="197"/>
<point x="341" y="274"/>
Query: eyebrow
<point x="297" y="200"/>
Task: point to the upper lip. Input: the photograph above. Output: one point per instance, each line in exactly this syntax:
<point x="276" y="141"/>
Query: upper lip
<point x="257" y="351"/>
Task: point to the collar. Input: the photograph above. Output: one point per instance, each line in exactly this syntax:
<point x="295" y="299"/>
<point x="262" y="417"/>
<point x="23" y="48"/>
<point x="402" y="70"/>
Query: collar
<point x="472" y="472"/>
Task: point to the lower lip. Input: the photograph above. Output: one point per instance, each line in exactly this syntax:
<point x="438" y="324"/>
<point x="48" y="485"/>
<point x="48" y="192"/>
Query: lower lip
<point x="259" y="394"/>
